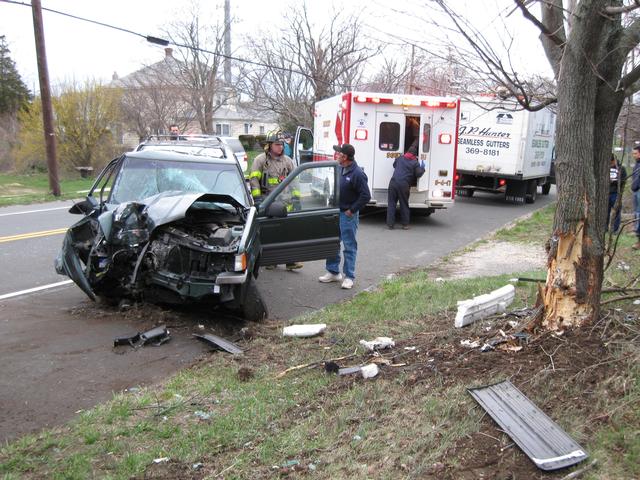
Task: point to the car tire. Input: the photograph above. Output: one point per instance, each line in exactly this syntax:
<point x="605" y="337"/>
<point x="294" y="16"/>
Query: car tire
<point x="253" y="308"/>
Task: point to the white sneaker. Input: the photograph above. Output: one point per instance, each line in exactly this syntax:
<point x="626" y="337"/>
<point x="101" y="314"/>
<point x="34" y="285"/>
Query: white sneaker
<point x="330" y="277"/>
<point x="347" y="283"/>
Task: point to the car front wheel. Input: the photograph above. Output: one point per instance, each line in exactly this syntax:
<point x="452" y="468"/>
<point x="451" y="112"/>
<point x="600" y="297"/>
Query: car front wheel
<point x="253" y="308"/>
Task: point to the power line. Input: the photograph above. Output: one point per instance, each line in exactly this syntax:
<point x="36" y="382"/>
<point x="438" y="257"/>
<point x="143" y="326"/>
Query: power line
<point x="165" y="42"/>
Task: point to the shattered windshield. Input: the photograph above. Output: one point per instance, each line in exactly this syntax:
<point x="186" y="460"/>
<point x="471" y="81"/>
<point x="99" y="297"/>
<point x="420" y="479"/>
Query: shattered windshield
<point x="142" y="178"/>
<point x="208" y="151"/>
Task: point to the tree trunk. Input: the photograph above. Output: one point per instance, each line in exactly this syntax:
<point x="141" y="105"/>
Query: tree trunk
<point x="588" y="107"/>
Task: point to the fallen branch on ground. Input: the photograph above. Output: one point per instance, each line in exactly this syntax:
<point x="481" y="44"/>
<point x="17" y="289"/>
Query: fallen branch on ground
<point x="313" y="364"/>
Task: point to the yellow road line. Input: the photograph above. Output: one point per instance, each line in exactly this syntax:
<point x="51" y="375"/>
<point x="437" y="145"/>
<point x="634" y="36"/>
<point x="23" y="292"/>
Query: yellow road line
<point x="25" y="236"/>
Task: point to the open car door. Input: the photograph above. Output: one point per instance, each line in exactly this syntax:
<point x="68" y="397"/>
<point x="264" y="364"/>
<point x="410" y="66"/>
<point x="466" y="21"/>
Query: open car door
<point x="299" y="220"/>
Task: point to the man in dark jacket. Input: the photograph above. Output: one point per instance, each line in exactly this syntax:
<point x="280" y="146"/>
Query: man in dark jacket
<point x="617" y="178"/>
<point x="406" y="171"/>
<point x="354" y="195"/>
<point x="635" y="188"/>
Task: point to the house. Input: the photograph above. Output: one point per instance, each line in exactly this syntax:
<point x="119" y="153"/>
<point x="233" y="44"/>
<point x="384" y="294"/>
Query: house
<point x="154" y="98"/>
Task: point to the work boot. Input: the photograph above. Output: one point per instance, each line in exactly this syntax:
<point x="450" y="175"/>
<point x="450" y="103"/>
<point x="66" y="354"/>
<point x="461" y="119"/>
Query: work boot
<point x="405" y="227"/>
<point x="330" y="277"/>
<point x="294" y="266"/>
<point x="271" y="267"/>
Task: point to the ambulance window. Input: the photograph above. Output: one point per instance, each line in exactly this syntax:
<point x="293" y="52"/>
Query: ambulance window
<point x="389" y="136"/>
<point x="426" y="137"/>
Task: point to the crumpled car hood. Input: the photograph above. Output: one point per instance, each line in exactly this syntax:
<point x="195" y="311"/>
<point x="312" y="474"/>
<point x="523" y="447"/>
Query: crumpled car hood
<point x="167" y="207"/>
<point x="160" y="209"/>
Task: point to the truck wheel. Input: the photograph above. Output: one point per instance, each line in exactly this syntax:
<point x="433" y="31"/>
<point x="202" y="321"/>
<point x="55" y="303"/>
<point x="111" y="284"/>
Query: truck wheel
<point x="546" y="188"/>
<point x="532" y="191"/>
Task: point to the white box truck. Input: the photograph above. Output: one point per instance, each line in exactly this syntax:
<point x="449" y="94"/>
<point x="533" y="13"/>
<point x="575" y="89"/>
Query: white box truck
<point x="504" y="149"/>
<point x="381" y="127"/>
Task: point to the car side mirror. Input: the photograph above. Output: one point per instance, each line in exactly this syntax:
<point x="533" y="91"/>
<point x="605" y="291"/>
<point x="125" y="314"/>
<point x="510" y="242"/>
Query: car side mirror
<point x="84" y="207"/>
<point x="276" y="209"/>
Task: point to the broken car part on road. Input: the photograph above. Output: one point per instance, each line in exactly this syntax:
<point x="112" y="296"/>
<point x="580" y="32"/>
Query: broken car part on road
<point x="156" y="336"/>
<point x="219" y="343"/>
<point x="544" y="442"/>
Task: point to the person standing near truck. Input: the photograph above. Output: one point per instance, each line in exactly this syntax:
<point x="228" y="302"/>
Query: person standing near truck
<point x="354" y="195"/>
<point x="617" y="177"/>
<point x="406" y="171"/>
<point x="635" y="188"/>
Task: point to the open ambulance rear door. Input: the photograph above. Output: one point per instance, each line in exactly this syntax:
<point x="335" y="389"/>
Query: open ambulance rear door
<point x="438" y="145"/>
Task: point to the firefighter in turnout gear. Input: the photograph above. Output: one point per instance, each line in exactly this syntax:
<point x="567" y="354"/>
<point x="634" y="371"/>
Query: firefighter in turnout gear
<point x="267" y="171"/>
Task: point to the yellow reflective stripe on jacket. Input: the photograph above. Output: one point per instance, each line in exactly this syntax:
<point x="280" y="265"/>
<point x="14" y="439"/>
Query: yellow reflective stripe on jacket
<point x="257" y="174"/>
<point x="296" y="193"/>
<point x="273" y="181"/>
<point x="256" y="192"/>
<point x="289" y="208"/>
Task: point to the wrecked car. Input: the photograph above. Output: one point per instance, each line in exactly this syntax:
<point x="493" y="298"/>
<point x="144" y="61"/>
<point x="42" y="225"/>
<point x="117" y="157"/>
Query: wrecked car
<point x="171" y="227"/>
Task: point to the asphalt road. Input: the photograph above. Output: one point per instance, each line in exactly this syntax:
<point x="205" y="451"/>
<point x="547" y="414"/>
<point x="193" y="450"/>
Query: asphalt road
<point x="56" y="345"/>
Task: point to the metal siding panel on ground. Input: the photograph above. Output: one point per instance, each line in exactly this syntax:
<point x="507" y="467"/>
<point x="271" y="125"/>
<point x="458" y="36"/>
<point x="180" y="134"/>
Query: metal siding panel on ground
<point x="548" y="446"/>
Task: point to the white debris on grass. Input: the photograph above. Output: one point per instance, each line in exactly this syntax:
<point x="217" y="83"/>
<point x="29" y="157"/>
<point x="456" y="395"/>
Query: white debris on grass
<point x="161" y="460"/>
<point x="309" y="330"/>
<point x="636" y="302"/>
<point x="380" y="343"/>
<point x="369" y="371"/>
<point x="484" y="305"/>
<point x="469" y="343"/>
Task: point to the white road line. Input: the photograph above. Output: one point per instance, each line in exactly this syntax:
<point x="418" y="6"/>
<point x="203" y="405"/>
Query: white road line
<point x="36" y="289"/>
<point x="35" y="211"/>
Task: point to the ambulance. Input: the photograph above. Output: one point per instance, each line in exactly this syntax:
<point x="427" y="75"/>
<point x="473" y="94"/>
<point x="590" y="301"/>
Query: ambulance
<point x="381" y="127"/>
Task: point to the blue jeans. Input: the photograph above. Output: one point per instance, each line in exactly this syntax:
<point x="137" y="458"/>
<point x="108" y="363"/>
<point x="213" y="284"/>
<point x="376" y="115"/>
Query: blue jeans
<point x="348" y="230"/>
<point x="613" y="196"/>
<point x="636" y="209"/>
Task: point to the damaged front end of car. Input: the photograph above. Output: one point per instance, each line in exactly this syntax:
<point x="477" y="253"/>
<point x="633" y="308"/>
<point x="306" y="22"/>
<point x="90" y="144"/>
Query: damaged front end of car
<point x="169" y="248"/>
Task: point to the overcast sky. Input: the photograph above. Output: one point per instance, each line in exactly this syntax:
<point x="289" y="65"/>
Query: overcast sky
<point x="78" y="50"/>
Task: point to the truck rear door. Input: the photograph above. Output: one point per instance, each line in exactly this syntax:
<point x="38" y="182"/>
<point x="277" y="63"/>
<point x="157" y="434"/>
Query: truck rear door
<point x="389" y="137"/>
<point x="424" y="151"/>
<point x="438" y="147"/>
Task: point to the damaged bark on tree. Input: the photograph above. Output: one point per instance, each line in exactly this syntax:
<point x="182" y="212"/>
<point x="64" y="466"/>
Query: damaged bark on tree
<point x="587" y="43"/>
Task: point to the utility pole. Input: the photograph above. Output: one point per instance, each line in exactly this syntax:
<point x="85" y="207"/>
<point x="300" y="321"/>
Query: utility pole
<point x="45" y="96"/>
<point x="411" y="75"/>
<point x="227" y="42"/>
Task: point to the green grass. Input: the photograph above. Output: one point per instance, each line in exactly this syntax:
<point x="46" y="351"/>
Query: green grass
<point x="26" y="189"/>
<point x="344" y="428"/>
<point x="534" y="229"/>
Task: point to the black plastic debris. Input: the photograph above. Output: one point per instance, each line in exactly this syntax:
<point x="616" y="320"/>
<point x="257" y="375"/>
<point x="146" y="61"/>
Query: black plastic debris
<point x="156" y="337"/>
<point x="331" y="367"/>
<point x="219" y="343"/>
<point x="544" y="442"/>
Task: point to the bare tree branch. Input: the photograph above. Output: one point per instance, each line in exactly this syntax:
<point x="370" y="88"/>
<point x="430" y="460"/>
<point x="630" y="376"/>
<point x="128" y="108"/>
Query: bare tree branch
<point x="623" y="9"/>
<point x="551" y="35"/>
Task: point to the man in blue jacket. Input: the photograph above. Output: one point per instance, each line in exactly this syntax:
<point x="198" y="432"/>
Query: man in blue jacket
<point x="406" y="171"/>
<point x="635" y="188"/>
<point x="354" y="195"/>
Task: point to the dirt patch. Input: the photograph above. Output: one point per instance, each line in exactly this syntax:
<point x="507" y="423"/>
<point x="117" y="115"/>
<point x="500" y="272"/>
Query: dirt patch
<point x="549" y="369"/>
<point x="492" y="258"/>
